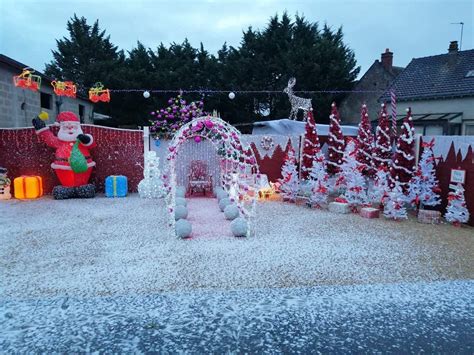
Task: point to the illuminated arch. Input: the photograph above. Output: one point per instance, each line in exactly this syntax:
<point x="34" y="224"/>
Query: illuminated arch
<point x="238" y="166"/>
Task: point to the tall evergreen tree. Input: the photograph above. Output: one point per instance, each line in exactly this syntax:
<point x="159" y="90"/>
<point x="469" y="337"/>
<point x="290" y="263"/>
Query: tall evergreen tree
<point x="264" y="60"/>
<point x="86" y="57"/>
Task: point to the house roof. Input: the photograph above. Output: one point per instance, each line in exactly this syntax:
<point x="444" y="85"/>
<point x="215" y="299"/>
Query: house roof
<point x="435" y="77"/>
<point x="20" y="66"/>
<point x="394" y="72"/>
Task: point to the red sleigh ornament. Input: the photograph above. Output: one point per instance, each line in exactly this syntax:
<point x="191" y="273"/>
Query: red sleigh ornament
<point x="64" y="88"/>
<point x="26" y="80"/>
<point x="98" y="93"/>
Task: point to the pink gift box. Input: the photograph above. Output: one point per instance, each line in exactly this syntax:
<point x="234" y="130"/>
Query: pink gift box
<point x="370" y="212"/>
<point x="429" y="216"/>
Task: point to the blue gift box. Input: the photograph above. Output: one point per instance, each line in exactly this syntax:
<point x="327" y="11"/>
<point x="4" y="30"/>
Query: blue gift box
<point x="116" y="186"/>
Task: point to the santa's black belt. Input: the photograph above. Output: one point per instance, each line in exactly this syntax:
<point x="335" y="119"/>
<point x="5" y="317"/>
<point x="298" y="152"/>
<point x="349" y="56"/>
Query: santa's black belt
<point x="63" y="159"/>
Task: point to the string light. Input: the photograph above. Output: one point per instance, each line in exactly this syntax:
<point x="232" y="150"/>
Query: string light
<point x="213" y="91"/>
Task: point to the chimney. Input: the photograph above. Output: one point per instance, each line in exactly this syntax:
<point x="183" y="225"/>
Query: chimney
<point x="453" y="47"/>
<point x="387" y="59"/>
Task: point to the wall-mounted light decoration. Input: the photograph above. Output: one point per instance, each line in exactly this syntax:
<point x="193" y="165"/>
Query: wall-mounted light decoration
<point x="27" y="80"/>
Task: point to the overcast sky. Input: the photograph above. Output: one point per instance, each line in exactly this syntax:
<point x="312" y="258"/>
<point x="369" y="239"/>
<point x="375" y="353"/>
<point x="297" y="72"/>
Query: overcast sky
<point x="411" y="29"/>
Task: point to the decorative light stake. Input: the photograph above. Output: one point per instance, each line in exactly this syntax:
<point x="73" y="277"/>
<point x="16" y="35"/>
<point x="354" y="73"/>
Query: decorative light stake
<point x="64" y="88"/>
<point x="98" y="93"/>
<point x="26" y="80"/>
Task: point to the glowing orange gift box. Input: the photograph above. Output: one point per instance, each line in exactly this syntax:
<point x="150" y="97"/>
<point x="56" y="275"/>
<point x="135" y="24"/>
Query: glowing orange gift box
<point x="64" y="88"/>
<point x="98" y="93"/>
<point x="28" y="187"/>
<point x="26" y="80"/>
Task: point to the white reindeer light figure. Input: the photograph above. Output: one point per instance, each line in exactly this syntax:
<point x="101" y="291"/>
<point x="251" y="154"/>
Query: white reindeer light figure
<point x="297" y="103"/>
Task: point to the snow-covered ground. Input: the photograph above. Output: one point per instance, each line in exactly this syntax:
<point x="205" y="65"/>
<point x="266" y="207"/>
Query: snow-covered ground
<point x="104" y="275"/>
<point x="396" y="319"/>
<point x="120" y="246"/>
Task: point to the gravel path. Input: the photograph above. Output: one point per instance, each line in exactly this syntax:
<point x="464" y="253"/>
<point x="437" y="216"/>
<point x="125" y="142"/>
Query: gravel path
<point x="391" y="319"/>
<point x="100" y="247"/>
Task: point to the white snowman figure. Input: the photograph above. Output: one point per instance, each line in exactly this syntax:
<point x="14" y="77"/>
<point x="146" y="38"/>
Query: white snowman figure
<point x="152" y="185"/>
<point x="4" y="185"/>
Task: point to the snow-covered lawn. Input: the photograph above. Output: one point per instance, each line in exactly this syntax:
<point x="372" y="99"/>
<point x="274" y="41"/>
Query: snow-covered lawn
<point x="101" y="247"/>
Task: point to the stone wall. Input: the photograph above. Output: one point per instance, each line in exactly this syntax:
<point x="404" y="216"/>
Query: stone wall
<point x="18" y="106"/>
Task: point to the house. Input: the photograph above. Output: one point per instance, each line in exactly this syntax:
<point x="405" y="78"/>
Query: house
<point x="370" y="86"/>
<point x="440" y="91"/>
<point x="19" y="106"/>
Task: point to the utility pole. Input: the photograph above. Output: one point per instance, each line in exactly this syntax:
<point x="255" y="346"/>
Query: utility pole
<point x="462" y="30"/>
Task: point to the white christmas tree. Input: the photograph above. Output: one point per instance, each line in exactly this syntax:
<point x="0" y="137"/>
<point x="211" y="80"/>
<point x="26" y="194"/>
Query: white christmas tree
<point x="152" y="185"/>
<point x="423" y="189"/>
<point x="351" y="176"/>
<point x="380" y="188"/>
<point x="318" y="179"/>
<point x="457" y="212"/>
<point x="395" y="203"/>
<point x="289" y="183"/>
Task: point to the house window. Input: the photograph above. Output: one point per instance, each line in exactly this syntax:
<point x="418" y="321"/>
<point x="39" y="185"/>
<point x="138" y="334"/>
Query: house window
<point x="433" y="130"/>
<point x="81" y="113"/>
<point x="469" y="131"/>
<point x="46" y="101"/>
<point x="419" y="129"/>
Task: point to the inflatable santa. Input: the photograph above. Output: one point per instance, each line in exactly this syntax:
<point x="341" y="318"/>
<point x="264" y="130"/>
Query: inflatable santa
<point x="73" y="163"/>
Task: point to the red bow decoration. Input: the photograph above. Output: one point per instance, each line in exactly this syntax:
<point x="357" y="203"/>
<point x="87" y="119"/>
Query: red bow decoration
<point x="436" y="189"/>
<point x="428" y="144"/>
<point x="339" y="180"/>
<point x="322" y="189"/>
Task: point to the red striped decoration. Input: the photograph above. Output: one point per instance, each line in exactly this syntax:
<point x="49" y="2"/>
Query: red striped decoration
<point x="393" y="105"/>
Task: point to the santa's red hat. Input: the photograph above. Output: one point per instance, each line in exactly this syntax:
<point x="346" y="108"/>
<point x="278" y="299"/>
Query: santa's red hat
<point x="67" y="116"/>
